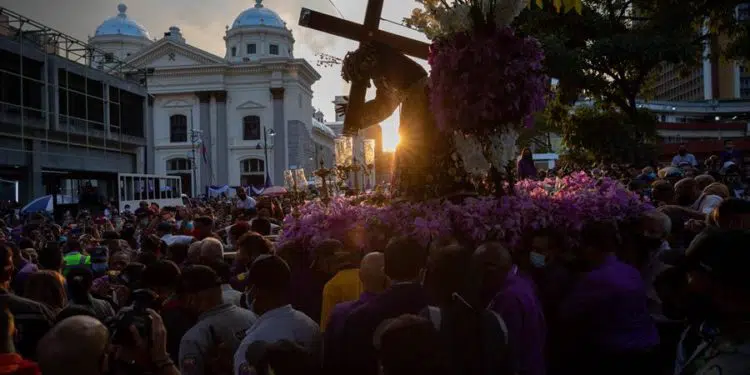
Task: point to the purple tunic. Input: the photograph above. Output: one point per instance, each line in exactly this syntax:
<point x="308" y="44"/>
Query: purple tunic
<point x="607" y="311"/>
<point x="523" y="315"/>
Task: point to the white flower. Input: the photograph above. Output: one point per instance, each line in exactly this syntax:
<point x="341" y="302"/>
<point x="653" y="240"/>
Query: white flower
<point x="453" y="20"/>
<point x="470" y="150"/>
<point x="505" y="11"/>
<point x="503" y="148"/>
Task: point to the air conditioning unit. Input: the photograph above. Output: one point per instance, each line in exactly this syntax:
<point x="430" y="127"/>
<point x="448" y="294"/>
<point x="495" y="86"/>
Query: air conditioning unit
<point x="245" y="59"/>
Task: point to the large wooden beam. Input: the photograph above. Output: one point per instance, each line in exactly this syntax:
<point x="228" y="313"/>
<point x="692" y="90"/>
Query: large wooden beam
<point x="354" y="31"/>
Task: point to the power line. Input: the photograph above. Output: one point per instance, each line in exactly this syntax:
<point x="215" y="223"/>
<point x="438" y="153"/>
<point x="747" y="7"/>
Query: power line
<point x="397" y="23"/>
<point x="337" y="9"/>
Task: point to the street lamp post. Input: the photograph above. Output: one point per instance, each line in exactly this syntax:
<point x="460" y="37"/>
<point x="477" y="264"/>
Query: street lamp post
<point x="266" y="133"/>
<point x="196" y="138"/>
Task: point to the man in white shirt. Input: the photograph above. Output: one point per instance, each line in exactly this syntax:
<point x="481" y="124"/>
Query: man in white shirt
<point x="684" y="157"/>
<point x="269" y="278"/>
<point x="244" y="201"/>
<point x="164" y="231"/>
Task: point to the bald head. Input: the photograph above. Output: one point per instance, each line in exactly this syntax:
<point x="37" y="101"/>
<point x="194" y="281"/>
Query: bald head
<point x="60" y="349"/>
<point x="371" y="272"/>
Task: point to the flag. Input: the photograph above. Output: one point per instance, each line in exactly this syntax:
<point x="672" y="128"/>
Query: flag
<point x="204" y="151"/>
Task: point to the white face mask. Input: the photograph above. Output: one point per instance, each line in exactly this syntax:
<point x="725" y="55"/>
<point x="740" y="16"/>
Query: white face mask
<point x="538" y="260"/>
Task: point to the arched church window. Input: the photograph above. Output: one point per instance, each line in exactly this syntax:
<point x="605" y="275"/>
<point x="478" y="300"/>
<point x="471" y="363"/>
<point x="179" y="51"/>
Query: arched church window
<point x="178" y="128"/>
<point x="252" y="49"/>
<point x="273" y="49"/>
<point x="234" y="51"/>
<point x="179" y="165"/>
<point x="252" y="172"/>
<point x="251" y="128"/>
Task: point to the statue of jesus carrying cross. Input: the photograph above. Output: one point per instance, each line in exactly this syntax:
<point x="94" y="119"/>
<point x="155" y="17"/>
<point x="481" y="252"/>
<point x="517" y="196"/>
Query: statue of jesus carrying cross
<point x="426" y="165"/>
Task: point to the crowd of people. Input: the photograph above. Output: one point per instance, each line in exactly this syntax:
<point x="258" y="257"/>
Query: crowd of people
<point x="204" y="289"/>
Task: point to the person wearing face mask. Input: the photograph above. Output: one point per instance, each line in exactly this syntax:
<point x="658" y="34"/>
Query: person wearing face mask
<point x="270" y="280"/>
<point x="684" y="157"/>
<point x="218" y="322"/>
<point x="515" y="300"/>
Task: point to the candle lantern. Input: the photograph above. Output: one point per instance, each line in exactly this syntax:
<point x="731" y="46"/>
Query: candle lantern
<point x="300" y="179"/>
<point x="344" y="151"/>
<point x="289" y="180"/>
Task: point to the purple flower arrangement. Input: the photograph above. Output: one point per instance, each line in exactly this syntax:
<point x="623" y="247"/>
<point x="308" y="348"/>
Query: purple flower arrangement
<point x="562" y="204"/>
<point x="484" y="81"/>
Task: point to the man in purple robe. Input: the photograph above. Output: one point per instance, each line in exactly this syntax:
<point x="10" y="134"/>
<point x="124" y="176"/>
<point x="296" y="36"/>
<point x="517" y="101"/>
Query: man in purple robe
<point x="606" y="313"/>
<point x="405" y="261"/>
<point x="374" y="283"/>
<point x="513" y="297"/>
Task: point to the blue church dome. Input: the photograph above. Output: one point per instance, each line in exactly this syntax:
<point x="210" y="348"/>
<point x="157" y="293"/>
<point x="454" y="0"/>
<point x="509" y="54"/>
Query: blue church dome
<point x="121" y="24"/>
<point x="258" y="16"/>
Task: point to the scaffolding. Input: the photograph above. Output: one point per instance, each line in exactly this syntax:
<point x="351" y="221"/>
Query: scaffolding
<point x="51" y="41"/>
<point x="51" y="93"/>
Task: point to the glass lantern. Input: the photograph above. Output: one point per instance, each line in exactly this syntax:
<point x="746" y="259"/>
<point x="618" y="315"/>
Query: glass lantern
<point x="344" y="151"/>
<point x="369" y="146"/>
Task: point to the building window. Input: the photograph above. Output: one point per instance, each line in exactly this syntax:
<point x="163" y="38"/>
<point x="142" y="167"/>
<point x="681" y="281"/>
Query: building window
<point x="234" y="51"/>
<point x="179" y="165"/>
<point x="178" y="128"/>
<point x="251" y="128"/>
<point x="273" y="49"/>
<point x="252" y="49"/>
<point x="252" y="172"/>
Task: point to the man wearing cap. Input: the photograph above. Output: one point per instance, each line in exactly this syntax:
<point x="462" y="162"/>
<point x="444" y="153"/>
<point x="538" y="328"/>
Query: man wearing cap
<point x="718" y="341"/>
<point x="269" y="279"/>
<point x="219" y="324"/>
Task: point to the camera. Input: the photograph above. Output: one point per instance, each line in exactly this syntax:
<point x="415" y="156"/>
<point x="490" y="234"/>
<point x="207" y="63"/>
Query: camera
<point x="137" y="316"/>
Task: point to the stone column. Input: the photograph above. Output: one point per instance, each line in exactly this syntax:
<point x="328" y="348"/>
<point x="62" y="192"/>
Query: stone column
<point x="280" y="141"/>
<point x="149" y="156"/>
<point x="222" y="139"/>
<point x="205" y="127"/>
<point x="34" y="164"/>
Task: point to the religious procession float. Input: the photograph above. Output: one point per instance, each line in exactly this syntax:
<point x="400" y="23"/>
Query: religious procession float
<point x="459" y="126"/>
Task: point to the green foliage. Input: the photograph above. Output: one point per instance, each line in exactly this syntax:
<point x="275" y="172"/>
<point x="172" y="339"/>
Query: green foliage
<point x="546" y="124"/>
<point x="611" y="135"/>
<point x="609" y="51"/>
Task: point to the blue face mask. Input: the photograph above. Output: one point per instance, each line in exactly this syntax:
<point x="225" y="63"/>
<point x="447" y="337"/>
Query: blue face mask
<point x="189" y="225"/>
<point x="538" y="260"/>
<point x="652" y="175"/>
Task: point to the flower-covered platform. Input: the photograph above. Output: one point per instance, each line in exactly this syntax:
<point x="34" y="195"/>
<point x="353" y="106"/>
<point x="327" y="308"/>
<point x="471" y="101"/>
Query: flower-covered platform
<point x="562" y="204"/>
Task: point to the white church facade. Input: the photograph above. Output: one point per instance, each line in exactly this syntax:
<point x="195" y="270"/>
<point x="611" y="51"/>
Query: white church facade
<point x="240" y="119"/>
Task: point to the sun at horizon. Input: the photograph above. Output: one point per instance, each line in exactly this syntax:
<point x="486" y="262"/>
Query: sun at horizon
<point x="390" y="132"/>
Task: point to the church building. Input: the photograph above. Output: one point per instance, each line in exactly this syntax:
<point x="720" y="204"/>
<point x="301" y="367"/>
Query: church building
<point x="240" y="119"/>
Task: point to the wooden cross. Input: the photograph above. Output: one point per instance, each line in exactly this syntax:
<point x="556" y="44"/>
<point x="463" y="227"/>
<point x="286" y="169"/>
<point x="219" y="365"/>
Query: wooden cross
<point x="367" y="32"/>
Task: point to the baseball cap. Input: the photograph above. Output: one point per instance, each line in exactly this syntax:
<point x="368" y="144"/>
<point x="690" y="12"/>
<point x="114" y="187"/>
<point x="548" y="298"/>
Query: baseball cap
<point x="721" y="253"/>
<point x="198" y="278"/>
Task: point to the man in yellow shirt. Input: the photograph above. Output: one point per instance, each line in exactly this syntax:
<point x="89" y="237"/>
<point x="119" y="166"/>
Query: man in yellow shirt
<point x="344" y="286"/>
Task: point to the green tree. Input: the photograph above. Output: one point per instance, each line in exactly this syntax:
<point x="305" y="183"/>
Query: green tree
<point x="611" y="135"/>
